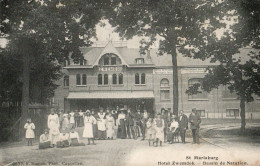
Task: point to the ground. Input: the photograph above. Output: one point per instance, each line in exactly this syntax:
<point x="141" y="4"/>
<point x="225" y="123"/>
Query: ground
<point x="220" y="142"/>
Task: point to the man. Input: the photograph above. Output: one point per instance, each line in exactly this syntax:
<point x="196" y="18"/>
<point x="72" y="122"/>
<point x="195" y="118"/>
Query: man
<point x="101" y="123"/>
<point x="183" y="125"/>
<point x="145" y="117"/>
<point x="138" y="119"/>
<point x="195" y="121"/>
<point x="130" y="124"/>
<point x="53" y="125"/>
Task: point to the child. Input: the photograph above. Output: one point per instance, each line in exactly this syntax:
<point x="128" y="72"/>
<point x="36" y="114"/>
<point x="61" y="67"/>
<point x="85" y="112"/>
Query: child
<point x="74" y="138"/>
<point x="45" y="140"/>
<point x="29" y="135"/>
<point x="63" y="140"/>
<point x="150" y="131"/>
<point x="159" y="129"/>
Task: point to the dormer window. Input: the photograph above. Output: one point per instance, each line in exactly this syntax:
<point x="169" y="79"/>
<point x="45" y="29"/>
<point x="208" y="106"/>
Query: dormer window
<point x="139" y="60"/>
<point x="110" y="60"/>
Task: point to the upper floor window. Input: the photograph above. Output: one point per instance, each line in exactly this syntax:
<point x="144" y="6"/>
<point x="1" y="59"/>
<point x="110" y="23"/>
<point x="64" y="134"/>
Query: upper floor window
<point x="202" y="95"/>
<point x="138" y="79"/>
<point x="66" y="81"/>
<point x="139" y="60"/>
<point x="114" y="79"/>
<point x="78" y="79"/>
<point x="121" y="78"/>
<point x="100" y="79"/>
<point x="66" y="63"/>
<point x="81" y="79"/>
<point x="105" y="79"/>
<point x="164" y="83"/>
<point x="109" y="59"/>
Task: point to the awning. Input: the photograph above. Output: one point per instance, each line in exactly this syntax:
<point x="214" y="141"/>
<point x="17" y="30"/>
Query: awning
<point x="111" y="95"/>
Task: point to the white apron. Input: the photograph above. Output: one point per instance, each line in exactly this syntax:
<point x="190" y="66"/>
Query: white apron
<point x="101" y="122"/>
<point x="110" y="123"/>
<point x="29" y="130"/>
<point x="88" y="126"/>
<point x="53" y="124"/>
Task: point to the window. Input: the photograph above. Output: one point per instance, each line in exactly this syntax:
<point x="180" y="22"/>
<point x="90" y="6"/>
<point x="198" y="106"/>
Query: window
<point x="78" y="79"/>
<point x="232" y="112"/>
<point x="136" y="78"/>
<point x="226" y="94"/>
<point x="106" y="60"/>
<point x="114" y="79"/>
<point x="164" y="83"/>
<point x="121" y="79"/>
<point x="202" y="95"/>
<point x="66" y="81"/>
<point x="139" y="60"/>
<point x="165" y="95"/>
<point x="84" y="79"/>
<point x="99" y="79"/>
<point x="142" y="78"/>
<point x="113" y="60"/>
<point x="201" y="113"/>
<point x="105" y="79"/>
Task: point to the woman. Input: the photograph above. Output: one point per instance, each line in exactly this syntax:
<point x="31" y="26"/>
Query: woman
<point x="159" y="129"/>
<point x="89" y="121"/>
<point x="150" y="132"/>
<point x="95" y="127"/>
<point x="45" y="140"/>
<point x="53" y="125"/>
<point x="74" y="138"/>
<point x="121" y="125"/>
<point x="29" y="135"/>
<point x="72" y="119"/>
<point x="110" y="123"/>
<point x="172" y="129"/>
<point x="65" y="122"/>
<point x="81" y="118"/>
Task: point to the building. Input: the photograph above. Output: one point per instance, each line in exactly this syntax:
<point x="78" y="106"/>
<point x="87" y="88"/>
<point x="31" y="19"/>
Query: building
<point x="116" y="76"/>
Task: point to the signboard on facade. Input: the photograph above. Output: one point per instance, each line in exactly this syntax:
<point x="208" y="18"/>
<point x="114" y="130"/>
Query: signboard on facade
<point x="193" y="71"/>
<point x="162" y="71"/>
<point x="110" y="68"/>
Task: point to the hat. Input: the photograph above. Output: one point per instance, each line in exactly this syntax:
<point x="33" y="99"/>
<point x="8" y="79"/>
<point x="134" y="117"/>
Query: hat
<point x="88" y="111"/>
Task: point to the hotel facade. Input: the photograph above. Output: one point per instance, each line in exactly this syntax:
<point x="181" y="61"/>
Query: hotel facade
<point x="114" y="76"/>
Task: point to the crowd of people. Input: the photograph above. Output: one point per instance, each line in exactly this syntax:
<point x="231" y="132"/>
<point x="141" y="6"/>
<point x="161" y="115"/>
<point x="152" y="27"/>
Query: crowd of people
<point x="115" y="124"/>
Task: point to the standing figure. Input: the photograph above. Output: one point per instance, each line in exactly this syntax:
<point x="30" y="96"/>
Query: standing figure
<point x="183" y="125"/>
<point x="130" y="124"/>
<point x="74" y="138"/>
<point x="172" y="129"/>
<point x="29" y="135"/>
<point x="195" y="121"/>
<point x="53" y="125"/>
<point x="167" y="121"/>
<point x="65" y="122"/>
<point x="95" y="127"/>
<point x="121" y="125"/>
<point x="60" y="114"/>
<point x="45" y="140"/>
<point x="139" y="123"/>
<point x="110" y="124"/>
<point x="101" y="124"/>
<point x="159" y="126"/>
<point x="150" y="132"/>
<point x="145" y="117"/>
<point x="81" y="118"/>
<point x="72" y="119"/>
<point x="114" y="114"/>
<point x="76" y="115"/>
<point x="89" y="121"/>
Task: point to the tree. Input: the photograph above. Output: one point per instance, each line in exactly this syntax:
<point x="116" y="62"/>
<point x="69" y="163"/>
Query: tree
<point x="238" y="70"/>
<point x="178" y="23"/>
<point x="50" y="29"/>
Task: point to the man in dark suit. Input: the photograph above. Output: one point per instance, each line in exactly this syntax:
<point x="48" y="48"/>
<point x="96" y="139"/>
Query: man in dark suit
<point x="183" y="125"/>
<point x="195" y="121"/>
<point x="130" y="124"/>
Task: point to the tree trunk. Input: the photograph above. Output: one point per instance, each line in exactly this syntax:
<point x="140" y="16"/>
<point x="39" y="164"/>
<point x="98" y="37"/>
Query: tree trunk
<point x="175" y="81"/>
<point x="242" y="115"/>
<point x="25" y="88"/>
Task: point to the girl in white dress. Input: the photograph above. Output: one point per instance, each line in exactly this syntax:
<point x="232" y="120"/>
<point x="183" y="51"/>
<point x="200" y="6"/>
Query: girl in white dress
<point x="159" y="126"/>
<point x="150" y="132"/>
<point x="89" y="121"/>
<point x="29" y="135"/>
<point x="110" y="123"/>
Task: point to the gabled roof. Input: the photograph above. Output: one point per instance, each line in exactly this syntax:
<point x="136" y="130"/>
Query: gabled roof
<point x="109" y="48"/>
<point x="128" y="56"/>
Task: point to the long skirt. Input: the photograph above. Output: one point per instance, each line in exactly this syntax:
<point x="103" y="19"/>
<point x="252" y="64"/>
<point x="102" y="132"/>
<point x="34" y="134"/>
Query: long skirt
<point x="81" y="121"/>
<point x="110" y="129"/>
<point x="95" y="130"/>
<point x="122" y="131"/>
<point x="63" y="144"/>
<point x="65" y="124"/>
<point x="159" y="134"/>
<point x="54" y="135"/>
<point x="75" y="142"/>
<point x="88" y="131"/>
<point x="44" y="145"/>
